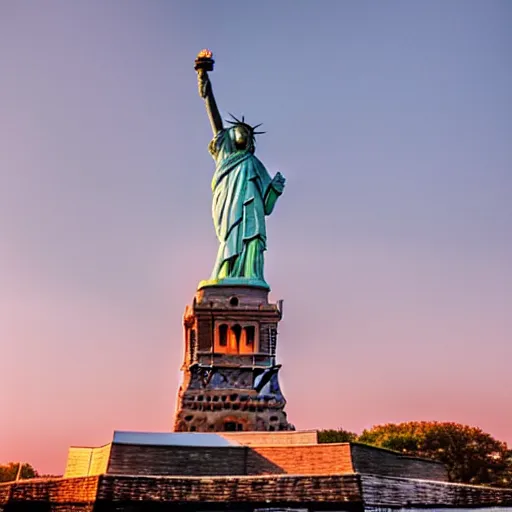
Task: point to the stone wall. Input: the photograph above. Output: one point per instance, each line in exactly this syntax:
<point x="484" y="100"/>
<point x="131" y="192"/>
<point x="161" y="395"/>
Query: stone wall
<point x="256" y="491"/>
<point x="381" y="491"/>
<point x="349" y="492"/>
<point x="321" y="459"/>
<point x="369" y="459"/>
<point x="260" y="453"/>
<point x="77" y="494"/>
<point x="131" y="459"/>
<point x="127" y="459"/>
<point x="205" y="335"/>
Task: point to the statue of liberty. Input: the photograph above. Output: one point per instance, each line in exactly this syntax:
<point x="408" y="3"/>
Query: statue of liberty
<point x="243" y="192"/>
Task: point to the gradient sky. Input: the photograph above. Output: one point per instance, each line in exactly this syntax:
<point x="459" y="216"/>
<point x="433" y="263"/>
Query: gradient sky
<point x="391" y="247"/>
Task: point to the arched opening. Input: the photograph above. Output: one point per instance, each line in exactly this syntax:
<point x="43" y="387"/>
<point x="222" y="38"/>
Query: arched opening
<point x="235" y="338"/>
<point x="233" y="426"/>
<point x="234" y="342"/>
<point x="248" y="340"/>
<point x="223" y="335"/>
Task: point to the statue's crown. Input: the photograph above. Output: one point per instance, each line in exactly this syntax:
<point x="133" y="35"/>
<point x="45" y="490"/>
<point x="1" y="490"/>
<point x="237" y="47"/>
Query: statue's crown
<point x="248" y="127"/>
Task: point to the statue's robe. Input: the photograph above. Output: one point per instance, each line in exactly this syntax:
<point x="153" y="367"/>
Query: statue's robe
<point x="242" y="196"/>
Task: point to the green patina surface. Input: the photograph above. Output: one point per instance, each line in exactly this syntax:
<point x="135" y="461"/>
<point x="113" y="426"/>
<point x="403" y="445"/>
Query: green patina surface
<point x="243" y="195"/>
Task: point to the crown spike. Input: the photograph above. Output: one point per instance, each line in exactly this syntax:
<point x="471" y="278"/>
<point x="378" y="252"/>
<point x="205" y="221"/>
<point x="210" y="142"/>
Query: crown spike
<point x="236" y="119"/>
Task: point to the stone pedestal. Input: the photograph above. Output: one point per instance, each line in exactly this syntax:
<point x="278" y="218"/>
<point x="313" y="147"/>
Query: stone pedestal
<point x="230" y="380"/>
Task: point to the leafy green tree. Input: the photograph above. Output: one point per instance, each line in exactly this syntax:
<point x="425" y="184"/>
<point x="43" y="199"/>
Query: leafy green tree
<point x="9" y="471"/>
<point x="336" y="436"/>
<point x="471" y="455"/>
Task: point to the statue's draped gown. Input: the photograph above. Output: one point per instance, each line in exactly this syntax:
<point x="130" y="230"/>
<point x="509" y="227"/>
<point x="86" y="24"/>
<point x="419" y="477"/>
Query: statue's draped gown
<point x="242" y="195"/>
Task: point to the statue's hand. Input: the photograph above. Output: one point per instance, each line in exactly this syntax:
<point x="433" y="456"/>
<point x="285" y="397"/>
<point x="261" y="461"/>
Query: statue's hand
<point x="278" y="183"/>
<point x="203" y="83"/>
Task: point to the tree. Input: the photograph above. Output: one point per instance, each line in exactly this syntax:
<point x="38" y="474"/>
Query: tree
<point x="9" y="471"/>
<point x="336" y="436"/>
<point x="471" y="455"/>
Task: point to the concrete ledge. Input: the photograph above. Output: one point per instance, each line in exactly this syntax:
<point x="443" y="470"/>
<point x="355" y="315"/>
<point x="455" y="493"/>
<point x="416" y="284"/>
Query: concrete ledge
<point x="50" y="491"/>
<point x="266" y="490"/>
<point x="387" y="491"/>
<point x="351" y="492"/>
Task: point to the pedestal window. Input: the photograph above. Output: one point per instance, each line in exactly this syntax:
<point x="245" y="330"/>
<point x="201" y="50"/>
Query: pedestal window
<point x="236" y="338"/>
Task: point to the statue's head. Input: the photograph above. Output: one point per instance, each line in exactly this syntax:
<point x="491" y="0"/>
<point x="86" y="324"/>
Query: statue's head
<point x="242" y="134"/>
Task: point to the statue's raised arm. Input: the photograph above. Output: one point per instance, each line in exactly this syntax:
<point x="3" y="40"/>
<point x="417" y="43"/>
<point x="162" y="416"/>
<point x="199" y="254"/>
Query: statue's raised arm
<point x="204" y="63"/>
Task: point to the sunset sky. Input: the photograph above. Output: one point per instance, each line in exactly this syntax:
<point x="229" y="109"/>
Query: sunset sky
<point x="391" y="246"/>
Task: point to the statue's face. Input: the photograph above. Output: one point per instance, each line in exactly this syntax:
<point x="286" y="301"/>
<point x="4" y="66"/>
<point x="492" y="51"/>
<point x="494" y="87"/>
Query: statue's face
<point x="241" y="137"/>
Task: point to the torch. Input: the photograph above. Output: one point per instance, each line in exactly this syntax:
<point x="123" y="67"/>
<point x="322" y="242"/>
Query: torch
<point x="204" y="61"/>
<point x="203" y="64"/>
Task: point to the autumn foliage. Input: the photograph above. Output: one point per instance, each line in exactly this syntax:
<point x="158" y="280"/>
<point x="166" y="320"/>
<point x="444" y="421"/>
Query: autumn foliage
<point x="9" y="471"/>
<point x="336" y="436"/>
